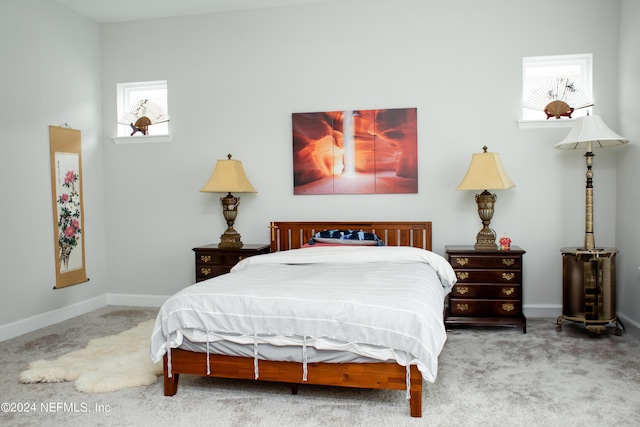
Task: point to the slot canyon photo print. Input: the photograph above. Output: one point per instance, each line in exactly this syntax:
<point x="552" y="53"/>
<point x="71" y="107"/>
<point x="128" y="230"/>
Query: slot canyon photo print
<point x="355" y="152"/>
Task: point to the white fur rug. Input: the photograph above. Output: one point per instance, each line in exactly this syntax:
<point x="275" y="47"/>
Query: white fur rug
<point x="106" y="364"/>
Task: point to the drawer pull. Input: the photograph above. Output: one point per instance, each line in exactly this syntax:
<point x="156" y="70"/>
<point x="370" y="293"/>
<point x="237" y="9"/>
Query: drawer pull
<point x="508" y="261"/>
<point x="508" y="291"/>
<point x="508" y="276"/>
<point x="205" y="271"/>
<point x="462" y="307"/>
<point x="508" y="307"/>
<point x="462" y="275"/>
<point x="205" y="258"/>
<point x="462" y="290"/>
<point x="462" y="261"/>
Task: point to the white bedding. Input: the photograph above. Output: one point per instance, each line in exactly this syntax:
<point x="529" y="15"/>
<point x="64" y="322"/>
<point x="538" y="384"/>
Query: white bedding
<point x="380" y="302"/>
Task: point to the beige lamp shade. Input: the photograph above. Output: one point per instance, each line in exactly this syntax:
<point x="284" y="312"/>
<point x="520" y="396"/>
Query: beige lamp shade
<point x="590" y="131"/>
<point x="228" y="177"/>
<point x="486" y="173"/>
<point x="586" y="133"/>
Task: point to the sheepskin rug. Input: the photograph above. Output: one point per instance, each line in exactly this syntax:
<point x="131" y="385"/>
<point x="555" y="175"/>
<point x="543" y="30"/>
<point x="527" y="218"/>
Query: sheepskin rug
<point x="107" y="364"/>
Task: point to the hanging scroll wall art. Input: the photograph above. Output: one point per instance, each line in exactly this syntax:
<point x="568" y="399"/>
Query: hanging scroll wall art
<point x="355" y="152"/>
<point x="66" y="195"/>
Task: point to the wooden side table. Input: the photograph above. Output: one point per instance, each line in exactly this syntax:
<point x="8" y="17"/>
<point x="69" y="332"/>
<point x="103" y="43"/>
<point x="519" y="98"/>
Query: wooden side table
<point x="589" y="289"/>
<point x="213" y="261"/>
<point x="489" y="287"/>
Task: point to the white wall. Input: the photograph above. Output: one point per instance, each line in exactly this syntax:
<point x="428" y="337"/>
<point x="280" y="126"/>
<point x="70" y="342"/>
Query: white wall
<point x="628" y="200"/>
<point x="50" y="75"/>
<point x="235" y="78"/>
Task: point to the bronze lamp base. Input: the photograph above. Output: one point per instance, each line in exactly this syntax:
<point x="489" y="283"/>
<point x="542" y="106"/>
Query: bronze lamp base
<point x="230" y="238"/>
<point x="486" y="238"/>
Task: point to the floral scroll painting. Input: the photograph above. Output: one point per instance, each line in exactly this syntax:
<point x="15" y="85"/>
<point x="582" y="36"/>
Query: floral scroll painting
<point x="68" y="221"/>
<point x="355" y="152"/>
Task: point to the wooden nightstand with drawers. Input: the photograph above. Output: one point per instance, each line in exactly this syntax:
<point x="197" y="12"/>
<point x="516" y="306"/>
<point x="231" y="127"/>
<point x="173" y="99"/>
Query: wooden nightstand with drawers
<point x="489" y="287"/>
<point x="213" y="261"/>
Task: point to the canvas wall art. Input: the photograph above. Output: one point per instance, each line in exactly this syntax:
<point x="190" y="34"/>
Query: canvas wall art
<point x="68" y="216"/>
<point x="355" y="152"/>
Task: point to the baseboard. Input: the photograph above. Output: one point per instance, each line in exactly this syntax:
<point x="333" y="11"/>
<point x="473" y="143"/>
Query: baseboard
<point x="30" y="324"/>
<point x="33" y="323"/>
<point x="542" y="310"/>
<point x="137" y="300"/>
<point x="630" y="327"/>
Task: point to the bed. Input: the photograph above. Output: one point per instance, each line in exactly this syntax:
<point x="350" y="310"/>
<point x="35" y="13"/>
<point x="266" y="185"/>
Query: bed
<point x="285" y="316"/>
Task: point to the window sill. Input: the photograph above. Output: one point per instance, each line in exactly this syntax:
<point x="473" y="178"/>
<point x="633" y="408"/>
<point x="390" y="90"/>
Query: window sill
<point x="140" y="139"/>
<point x="544" y="124"/>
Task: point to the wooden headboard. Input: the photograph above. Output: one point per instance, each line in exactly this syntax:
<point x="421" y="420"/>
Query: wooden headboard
<point x="292" y="235"/>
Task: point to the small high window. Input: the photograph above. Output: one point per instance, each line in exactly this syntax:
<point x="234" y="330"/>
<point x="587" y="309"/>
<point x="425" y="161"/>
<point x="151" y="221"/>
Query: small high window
<point x="553" y="80"/>
<point x="142" y="108"/>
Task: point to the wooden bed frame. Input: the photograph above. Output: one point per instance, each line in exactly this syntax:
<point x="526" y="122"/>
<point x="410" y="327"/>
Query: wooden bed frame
<point x="292" y="235"/>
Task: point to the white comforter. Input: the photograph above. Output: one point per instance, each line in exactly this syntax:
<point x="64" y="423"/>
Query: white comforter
<point x="383" y="302"/>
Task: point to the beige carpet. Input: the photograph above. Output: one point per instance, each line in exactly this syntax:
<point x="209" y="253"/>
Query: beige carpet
<point x="488" y="377"/>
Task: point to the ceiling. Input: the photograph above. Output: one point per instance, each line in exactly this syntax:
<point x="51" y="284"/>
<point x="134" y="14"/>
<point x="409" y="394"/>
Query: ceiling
<point x="133" y="10"/>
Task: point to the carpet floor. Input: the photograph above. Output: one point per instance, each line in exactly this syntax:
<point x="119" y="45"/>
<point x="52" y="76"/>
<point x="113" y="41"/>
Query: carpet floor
<point x="487" y="377"/>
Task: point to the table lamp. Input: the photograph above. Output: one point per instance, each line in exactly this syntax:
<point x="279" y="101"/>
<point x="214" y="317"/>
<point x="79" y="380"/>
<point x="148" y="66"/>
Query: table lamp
<point x="486" y="173"/>
<point x="229" y="176"/>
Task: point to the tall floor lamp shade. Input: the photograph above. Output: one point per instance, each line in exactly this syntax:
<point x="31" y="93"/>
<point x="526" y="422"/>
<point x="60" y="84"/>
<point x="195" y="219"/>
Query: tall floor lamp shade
<point x="486" y="173"/>
<point x="589" y="132"/>
<point x="227" y="177"/>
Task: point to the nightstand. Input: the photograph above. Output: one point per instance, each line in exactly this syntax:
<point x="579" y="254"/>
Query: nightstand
<point x="213" y="261"/>
<point x="489" y="287"/>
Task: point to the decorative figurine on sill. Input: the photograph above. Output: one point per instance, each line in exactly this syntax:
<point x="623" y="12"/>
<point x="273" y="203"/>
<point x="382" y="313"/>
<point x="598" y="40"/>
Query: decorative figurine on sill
<point x="558" y="98"/>
<point x="142" y="115"/>
<point x="505" y="243"/>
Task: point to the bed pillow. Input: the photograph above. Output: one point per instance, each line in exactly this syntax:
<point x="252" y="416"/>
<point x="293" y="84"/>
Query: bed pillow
<point x="346" y="237"/>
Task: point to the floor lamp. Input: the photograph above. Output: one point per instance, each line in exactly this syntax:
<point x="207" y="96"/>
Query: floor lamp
<point x="588" y="274"/>
<point x="589" y="132"/>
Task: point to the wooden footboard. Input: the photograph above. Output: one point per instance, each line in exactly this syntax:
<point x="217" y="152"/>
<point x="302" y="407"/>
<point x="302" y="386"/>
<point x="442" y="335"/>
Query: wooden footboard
<point x="388" y="376"/>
